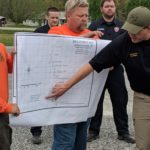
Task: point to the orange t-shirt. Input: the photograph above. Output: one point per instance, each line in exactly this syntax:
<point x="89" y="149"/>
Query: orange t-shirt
<point x="6" y="63"/>
<point x="64" y="30"/>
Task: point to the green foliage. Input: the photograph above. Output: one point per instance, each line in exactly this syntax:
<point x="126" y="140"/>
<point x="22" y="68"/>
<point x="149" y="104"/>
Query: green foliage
<point x="7" y="36"/>
<point x="134" y="3"/>
<point x="94" y="10"/>
<point x="20" y="10"/>
<point x="121" y="10"/>
<point x="56" y="3"/>
<point x="7" y="39"/>
<point x="15" y="14"/>
<point x="4" y="8"/>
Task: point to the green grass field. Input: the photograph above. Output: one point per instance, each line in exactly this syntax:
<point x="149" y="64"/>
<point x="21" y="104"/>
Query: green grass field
<point x="6" y="39"/>
<point x="7" y="36"/>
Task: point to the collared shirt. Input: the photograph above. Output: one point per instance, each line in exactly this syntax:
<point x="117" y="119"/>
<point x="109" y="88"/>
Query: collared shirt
<point x="43" y="29"/>
<point x="110" y="29"/>
<point x="134" y="57"/>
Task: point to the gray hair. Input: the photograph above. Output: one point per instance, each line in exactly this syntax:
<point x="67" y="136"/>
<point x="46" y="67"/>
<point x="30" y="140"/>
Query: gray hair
<point x="72" y="4"/>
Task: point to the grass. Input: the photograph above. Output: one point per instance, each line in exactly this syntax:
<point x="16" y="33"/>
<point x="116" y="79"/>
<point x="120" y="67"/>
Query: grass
<point x="19" y="26"/>
<point x="7" y="36"/>
<point x="6" y="39"/>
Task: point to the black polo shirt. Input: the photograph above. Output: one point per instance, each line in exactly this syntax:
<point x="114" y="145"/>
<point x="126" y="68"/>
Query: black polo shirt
<point x="134" y="57"/>
<point x="43" y="29"/>
<point x="110" y="29"/>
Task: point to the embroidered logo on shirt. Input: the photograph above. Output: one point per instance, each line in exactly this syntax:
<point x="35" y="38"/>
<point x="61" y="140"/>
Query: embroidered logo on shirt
<point x="116" y="29"/>
<point x="133" y="54"/>
<point x="1" y="57"/>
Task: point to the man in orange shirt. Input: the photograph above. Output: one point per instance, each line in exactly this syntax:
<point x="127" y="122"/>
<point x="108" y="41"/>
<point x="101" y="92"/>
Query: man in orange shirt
<point x="132" y="50"/>
<point x="73" y="136"/>
<point x="6" y="63"/>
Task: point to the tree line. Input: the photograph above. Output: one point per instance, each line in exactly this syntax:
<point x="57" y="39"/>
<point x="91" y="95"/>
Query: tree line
<point x="20" y="10"/>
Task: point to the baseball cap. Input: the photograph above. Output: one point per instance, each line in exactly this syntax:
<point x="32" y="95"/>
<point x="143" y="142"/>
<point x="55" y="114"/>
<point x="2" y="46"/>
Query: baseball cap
<point x="137" y="19"/>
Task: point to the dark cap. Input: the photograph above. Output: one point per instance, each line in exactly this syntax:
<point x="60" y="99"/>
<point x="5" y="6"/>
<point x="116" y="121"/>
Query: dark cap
<point x="137" y="19"/>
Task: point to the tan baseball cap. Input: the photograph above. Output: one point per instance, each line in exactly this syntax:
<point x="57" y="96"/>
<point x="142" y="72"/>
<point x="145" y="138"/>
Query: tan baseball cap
<point x="137" y="19"/>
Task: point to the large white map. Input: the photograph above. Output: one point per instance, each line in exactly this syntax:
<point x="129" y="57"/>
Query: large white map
<point x="43" y="60"/>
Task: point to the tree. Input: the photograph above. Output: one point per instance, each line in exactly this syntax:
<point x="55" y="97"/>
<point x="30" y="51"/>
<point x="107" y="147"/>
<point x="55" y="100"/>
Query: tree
<point x="134" y="3"/>
<point x="121" y="10"/>
<point x="26" y="9"/>
<point x="94" y="10"/>
<point x="4" y="8"/>
<point x="56" y="3"/>
<point x="20" y="10"/>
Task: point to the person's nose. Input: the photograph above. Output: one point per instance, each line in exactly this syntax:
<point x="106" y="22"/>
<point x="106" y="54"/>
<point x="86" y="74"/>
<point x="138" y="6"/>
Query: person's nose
<point x="85" y="18"/>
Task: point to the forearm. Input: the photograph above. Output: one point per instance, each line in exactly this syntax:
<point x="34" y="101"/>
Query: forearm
<point x="60" y="89"/>
<point x="79" y="75"/>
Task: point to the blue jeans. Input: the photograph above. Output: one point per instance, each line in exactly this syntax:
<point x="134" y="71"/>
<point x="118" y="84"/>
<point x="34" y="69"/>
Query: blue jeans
<point x="72" y="136"/>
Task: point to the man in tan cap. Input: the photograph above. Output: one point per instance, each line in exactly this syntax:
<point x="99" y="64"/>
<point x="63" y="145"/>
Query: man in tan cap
<point x="132" y="49"/>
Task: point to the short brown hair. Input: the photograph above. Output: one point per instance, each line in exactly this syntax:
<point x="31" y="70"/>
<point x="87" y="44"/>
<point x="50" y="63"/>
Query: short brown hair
<point x="103" y="1"/>
<point x="51" y="9"/>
